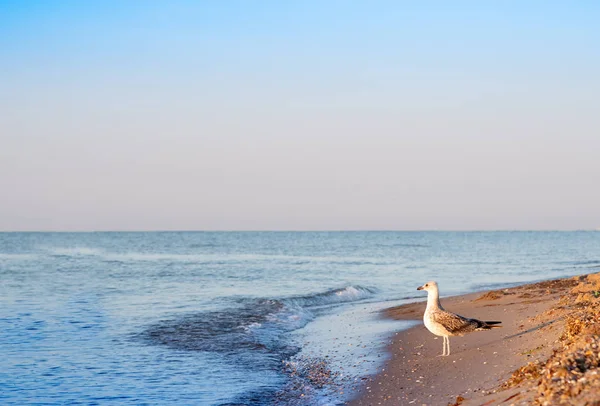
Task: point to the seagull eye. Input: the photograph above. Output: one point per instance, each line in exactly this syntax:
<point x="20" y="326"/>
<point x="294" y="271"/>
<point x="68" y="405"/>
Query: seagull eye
<point x="426" y="284"/>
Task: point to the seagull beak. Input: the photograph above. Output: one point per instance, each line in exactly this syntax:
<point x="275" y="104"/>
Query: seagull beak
<point x="420" y="288"/>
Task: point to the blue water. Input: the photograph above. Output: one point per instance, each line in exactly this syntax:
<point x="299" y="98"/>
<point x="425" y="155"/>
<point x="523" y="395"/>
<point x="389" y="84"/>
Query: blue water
<point x="211" y="318"/>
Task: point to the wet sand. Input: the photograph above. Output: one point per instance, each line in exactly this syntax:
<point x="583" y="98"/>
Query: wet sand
<point x="480" y="362"/>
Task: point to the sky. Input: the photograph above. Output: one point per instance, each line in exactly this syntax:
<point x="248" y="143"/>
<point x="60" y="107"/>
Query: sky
<point x="299" y="115"/>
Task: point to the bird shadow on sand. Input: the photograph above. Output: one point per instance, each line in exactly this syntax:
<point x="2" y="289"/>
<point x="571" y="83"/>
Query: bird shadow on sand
<point x="531" y="330"/>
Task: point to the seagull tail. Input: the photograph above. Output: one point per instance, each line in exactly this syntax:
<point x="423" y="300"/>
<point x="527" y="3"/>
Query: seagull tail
<point x="491" y="324"/>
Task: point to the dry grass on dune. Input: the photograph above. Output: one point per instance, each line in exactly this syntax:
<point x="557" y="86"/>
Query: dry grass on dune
<point x="571" y="375"/>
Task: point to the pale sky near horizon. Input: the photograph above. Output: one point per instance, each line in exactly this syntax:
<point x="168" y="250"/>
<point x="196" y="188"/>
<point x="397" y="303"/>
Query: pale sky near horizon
<point x="299" y="115"/>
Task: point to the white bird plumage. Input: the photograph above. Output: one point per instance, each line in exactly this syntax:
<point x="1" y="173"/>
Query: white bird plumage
<point x="444" y="323"/>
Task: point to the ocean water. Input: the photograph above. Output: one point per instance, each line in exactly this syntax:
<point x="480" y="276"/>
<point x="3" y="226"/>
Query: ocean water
<point x="234" y="318"/>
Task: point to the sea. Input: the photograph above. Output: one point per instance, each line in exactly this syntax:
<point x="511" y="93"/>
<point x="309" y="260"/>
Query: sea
<point x="235" y="318"/>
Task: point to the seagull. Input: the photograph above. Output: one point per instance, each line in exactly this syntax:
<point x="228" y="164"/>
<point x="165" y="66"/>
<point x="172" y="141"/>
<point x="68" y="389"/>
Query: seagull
<point x="444" y="323"/>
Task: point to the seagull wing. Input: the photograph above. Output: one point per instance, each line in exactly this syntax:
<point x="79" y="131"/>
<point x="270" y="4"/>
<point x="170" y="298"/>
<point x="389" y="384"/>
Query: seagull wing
<point x="454" y="323"/>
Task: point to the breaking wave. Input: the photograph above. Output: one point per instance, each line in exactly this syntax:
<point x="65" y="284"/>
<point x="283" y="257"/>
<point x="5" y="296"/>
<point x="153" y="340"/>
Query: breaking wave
<point x="257" y="325"/>
<point x="334" y="296"/>
<point x="255" y="334"/>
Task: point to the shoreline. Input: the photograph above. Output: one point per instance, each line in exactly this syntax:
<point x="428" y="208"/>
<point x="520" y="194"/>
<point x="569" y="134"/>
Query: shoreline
<point x="486" y="367"/>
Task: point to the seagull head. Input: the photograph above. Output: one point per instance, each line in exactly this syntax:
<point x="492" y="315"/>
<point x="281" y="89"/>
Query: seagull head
<point x="430" y="286"/>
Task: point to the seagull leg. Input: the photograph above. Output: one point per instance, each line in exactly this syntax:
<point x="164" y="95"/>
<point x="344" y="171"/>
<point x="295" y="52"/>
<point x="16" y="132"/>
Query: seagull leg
<point x="446" y="348"/>
<point x="448" y="345"/>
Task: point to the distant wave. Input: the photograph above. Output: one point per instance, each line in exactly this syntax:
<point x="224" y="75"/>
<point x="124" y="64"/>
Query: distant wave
<point x="108" y="256"/>
<point x="400" y="245"/>
<point x="203" y="245"/>
<point x="73" y="251"/>
<point x="129" y="257"/>
<point x="148" y="257"/>
<point x="578" y="263"/>
<point x="420" y="266"/>
<point x="195" y="257"/>
<point x="16" y="257"/>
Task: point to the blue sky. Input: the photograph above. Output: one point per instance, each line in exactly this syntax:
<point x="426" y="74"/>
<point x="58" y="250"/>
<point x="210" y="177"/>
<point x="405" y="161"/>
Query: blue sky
<point x="299" y="115"/>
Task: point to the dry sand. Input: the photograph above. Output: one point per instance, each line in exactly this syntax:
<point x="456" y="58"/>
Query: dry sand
<point x="480" y="362"/>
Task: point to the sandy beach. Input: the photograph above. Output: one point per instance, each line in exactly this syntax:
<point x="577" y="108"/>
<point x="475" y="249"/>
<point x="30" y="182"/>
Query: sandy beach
<point x="546" y="353"/>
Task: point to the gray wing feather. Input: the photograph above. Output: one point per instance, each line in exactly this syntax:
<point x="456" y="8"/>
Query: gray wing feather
<point x="455" y="323"/>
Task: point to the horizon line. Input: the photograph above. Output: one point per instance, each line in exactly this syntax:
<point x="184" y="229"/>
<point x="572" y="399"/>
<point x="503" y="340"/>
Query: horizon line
<point x="303" y="231"/>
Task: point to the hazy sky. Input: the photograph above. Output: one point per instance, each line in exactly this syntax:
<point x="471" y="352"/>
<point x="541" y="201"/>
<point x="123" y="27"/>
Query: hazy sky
<point x="299" y="115"/>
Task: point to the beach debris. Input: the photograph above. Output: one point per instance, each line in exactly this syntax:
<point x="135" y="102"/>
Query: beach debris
<point x="571" y="375"/>
<point x="532" y="370"/>
<point x="458" y="401"/>
<point x="492" y="295"/>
